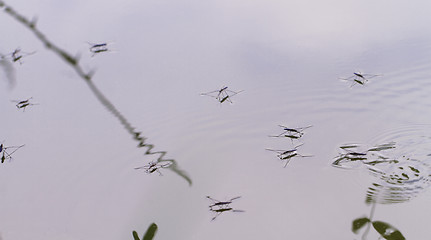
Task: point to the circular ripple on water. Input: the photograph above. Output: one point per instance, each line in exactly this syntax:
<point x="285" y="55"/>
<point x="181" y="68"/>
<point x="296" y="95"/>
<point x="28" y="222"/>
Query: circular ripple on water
<point x="407" y="173"/>
<point x="399" y="181"/>
<point x="412" y="141"/>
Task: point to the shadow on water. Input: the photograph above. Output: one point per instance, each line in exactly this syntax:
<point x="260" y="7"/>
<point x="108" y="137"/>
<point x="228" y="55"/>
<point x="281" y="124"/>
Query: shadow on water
<point x="8" y="70"/>
<point x="400" y="171"/>
<point x="87" y="77"/>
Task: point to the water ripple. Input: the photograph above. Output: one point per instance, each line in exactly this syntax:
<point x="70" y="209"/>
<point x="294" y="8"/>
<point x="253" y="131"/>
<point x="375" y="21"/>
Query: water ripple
<point x="400" y="167"/>
<point x="399" y="182"/>
<point x="401" y="89"/>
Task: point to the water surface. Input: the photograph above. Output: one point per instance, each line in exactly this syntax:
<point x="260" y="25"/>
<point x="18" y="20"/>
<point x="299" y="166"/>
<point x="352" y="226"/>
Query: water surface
<point x="75" y="176"/>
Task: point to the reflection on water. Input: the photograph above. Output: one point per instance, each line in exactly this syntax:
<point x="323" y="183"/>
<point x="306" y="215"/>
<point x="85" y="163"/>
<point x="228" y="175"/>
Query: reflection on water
<point x="409" y="173"/>
<point x="357" y="155"/>
<point x="400" y="169"/>
<point x="399" y="181"/>
<point x="74" y="62"/>
<point x="161" y="162"/>
<point x="396" y="178"/>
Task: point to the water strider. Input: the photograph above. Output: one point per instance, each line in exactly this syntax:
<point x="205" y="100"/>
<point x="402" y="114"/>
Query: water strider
<point x="5" y="155"/>
<point x="22" y="104"/>
<point x="154" y="167"/>
<point x="359" y="78"/>
<point x="287" y="155"/>
<point x="223" y="94"/>
<point x="219" y="207"/>
<point x="291" y="133"/>
<point x="96" y="48"/>
<point x="17" y="55"/>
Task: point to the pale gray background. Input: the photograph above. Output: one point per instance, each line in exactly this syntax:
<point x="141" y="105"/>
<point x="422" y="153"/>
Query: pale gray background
<point x="74" y="179"/>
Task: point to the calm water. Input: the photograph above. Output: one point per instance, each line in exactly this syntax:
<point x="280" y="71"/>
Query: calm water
<point x="75" y="178"/>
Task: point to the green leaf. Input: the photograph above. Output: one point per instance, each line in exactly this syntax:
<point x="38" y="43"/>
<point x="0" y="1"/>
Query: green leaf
<point x="151" y="231"/>
<point x="135" y="235"/>
<point x="387" y="231"/>
<point x="359" y="223"/>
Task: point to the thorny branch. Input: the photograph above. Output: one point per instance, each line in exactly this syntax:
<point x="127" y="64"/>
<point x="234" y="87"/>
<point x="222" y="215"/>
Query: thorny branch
<point x="87" y="77"/>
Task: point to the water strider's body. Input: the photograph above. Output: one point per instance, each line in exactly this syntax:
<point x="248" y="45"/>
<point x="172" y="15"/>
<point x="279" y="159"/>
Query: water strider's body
<point x="222" y="95"/>
<point x="219" y="207"/>
<point x="154" y="167"/>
